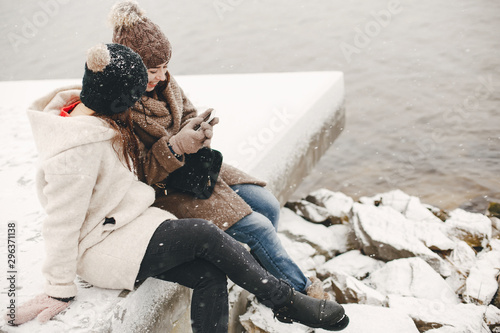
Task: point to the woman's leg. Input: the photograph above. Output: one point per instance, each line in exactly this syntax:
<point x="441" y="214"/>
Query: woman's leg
<point x="185" y="242"/>
<point x="177" y="242"/>
<point x="258" y="233"/>
<point x="261" y="200"/>
<point x="209" y="303"/>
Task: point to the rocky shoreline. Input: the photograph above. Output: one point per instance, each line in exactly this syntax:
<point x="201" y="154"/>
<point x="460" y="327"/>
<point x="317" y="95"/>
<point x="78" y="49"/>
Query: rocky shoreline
<point x="398" y="265"/>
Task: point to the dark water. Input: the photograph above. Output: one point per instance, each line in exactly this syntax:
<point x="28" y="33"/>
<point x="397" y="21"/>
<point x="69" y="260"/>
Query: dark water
<point x="422" y="77"/>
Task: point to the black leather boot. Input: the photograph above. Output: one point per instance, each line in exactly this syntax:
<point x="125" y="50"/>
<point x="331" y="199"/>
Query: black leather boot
<point x="312" y="312"/>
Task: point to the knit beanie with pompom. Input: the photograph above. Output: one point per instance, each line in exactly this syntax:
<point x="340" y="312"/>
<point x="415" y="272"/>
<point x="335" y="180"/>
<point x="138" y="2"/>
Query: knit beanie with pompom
<point x="133" y="29"/>
<point x="115" y="78"/>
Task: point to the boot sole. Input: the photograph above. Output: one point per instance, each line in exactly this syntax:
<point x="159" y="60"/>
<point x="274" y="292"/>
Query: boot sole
<point x="337" y="326"/>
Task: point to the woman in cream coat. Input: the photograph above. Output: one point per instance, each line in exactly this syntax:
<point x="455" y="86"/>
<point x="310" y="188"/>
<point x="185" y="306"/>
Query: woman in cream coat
<point x="99" y="222"/>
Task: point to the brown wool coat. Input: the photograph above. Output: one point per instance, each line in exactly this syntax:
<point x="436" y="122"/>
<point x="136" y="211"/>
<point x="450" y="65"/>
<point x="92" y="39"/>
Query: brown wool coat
<point x="155" y="122"/>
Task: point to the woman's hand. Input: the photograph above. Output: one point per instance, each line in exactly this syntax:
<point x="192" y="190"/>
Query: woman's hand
<point x="43" y="307"/>
<point x="189" y="140"/>
<point x="208" y="127"/>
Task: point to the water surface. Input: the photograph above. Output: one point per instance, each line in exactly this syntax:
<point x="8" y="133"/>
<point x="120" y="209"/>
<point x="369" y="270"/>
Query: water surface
<point x="422" y="77"/>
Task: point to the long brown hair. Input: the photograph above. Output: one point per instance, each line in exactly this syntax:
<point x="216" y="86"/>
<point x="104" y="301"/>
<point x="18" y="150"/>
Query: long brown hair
<point x="125" y="142"/>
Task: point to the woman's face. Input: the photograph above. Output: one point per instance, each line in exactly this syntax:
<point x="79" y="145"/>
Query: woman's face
<point x="155" y="75"/>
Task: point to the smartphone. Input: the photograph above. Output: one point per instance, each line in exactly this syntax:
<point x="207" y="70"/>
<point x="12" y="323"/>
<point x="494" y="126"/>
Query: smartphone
<point x="208" y="118"/>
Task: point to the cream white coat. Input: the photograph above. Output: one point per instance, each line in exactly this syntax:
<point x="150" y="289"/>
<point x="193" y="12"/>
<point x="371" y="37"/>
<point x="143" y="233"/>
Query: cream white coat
<point x="81" y="181"/>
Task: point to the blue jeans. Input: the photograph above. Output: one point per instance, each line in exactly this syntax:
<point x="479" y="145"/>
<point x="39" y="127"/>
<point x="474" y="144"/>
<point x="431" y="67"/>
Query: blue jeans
<point x="258" y="231"/>
<point x="260" y="200"/>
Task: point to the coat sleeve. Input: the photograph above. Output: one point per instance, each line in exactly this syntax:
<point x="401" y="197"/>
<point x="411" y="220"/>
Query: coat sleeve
<point x="157" y="162"/>
<point x="70" y="178"/>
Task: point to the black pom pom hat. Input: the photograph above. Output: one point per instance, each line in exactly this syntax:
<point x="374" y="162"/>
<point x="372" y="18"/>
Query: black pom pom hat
<point x="115" y="78"/>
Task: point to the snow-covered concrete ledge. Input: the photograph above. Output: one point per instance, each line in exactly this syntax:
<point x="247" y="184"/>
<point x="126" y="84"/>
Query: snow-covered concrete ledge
<point x="275" y="126"/>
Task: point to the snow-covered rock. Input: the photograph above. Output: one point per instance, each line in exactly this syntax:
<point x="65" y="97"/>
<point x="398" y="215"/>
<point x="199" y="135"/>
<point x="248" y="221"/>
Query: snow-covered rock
<point x="409" y="206"/>
<point x="386" y="234"/>
<point x="423" y="224"/>
<point x="473" y="228"/>
<point x="324" y="206"/>
<point x="303" y="254"/>
<point x="336" y="203"/>
<point x="312" y="212"/>
<point x="238" y="303"/>
<point x="495" y="222"/>
<point x="494" y="244"/>
<point x="318" y="236"/>
<point x="260" y="319"/>
<point x="495" y="227"/>
<point x="434" y="314"/>
<point x="406" y="276"/>
<point x="353" y="263"/>
<point x="348" y="289"/>
<point x="445" y="329"/>
<point x="344" y="237"/>
<point x="482" y="282"/>
<point x="363" y="319"/>
<point x="492" y="316"/>
<point x="374" y="319"/>
<point x="411" y="277"/>
<point x="462" y="258"/>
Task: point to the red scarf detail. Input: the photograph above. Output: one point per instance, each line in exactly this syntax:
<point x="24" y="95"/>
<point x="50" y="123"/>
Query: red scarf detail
<point x="66" y="110"/>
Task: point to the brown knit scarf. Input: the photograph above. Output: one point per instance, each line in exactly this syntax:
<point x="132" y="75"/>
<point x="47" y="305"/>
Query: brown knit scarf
<point x="153" y="116"/>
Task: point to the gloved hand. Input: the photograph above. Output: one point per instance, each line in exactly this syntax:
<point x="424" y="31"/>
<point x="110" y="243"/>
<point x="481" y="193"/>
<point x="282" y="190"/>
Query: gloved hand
<point x="189" y="140"/>
<point x="208" y="127"/>
<point x="42" y="306"/>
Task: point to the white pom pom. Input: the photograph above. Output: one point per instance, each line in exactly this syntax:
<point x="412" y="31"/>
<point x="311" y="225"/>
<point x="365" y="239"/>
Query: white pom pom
<point x="98" y="58"/>
<point x="126" y="14"/>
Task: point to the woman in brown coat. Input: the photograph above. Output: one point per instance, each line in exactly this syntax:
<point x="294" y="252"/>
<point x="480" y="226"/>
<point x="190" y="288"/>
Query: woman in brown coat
<point x="164" y="123"/>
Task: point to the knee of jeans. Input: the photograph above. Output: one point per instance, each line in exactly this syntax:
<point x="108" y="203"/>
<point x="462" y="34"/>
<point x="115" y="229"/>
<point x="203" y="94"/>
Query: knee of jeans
<point x="274" y="215"/>
<point x="270" y="204"/>
<point x="274" y="205"/>
<point x="264" y="233"/>
<point x="271" y="209"/>
<point x="261" y="223"/>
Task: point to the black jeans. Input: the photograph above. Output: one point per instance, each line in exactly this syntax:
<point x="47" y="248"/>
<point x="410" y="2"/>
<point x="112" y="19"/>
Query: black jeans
<point x="197" y="254"/>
